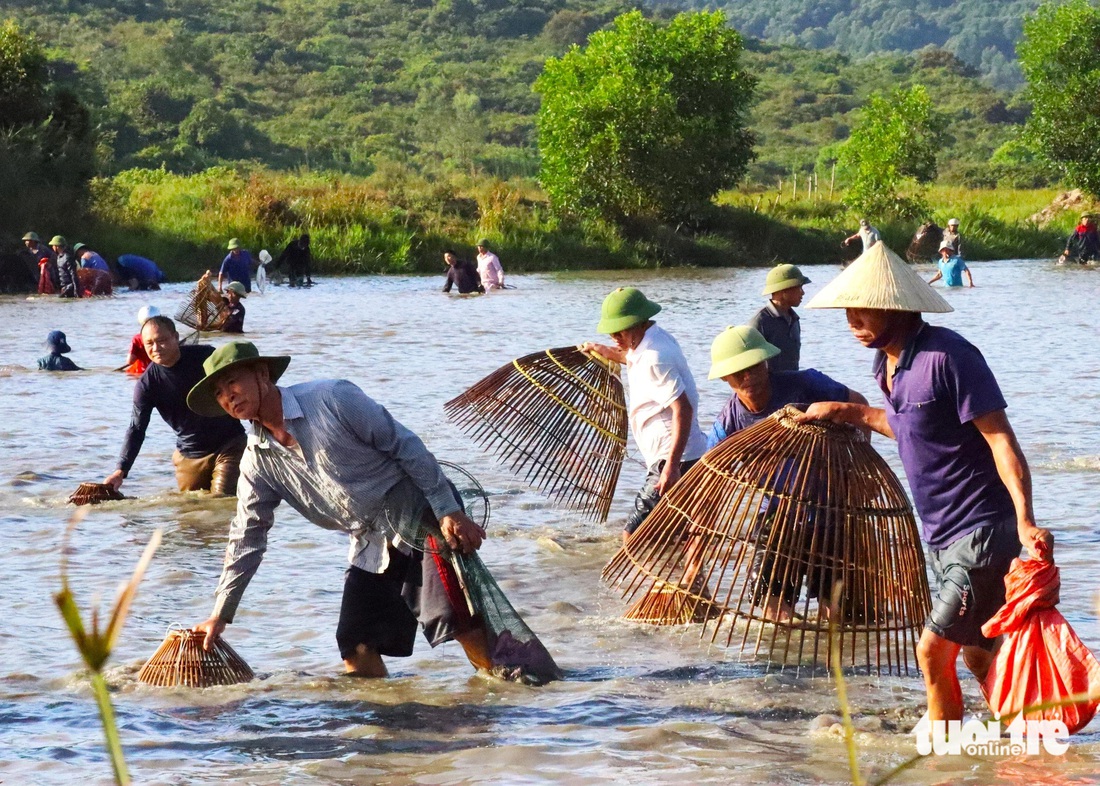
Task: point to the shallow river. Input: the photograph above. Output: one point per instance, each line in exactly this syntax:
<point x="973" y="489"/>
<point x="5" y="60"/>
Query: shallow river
<point x="639" y="705"/>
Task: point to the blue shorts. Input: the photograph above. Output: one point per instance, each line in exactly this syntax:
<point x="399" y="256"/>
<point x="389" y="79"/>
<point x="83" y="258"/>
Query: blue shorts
<point x="970" y="583"/>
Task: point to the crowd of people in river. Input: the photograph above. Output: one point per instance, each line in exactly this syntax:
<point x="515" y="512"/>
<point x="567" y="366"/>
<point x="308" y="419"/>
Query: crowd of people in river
<point x="344" y="462"/>
<point x="968" y="475"/>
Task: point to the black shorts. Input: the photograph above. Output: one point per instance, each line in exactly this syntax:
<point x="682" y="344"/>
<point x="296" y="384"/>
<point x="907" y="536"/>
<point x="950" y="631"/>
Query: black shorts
<point x="383" y="610"/>
<point x="970" y="583"/>
<point x="648" y="496"/>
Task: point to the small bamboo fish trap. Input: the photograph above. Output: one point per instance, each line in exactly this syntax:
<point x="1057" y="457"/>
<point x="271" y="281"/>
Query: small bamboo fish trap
<point x="94" y="493"/>
<point x="180" y="661"/>
<point x="557" y="420"/>
<point x="757" y="539"/>
<point x="203" y="308"/>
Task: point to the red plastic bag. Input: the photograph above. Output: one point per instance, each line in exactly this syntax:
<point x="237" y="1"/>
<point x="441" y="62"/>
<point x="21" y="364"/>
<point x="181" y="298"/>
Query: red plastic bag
<point x="1041" y="659"/>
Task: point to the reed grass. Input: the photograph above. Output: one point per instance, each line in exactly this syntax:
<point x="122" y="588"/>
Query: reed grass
<point x="400" y="221"/>
<point x="95" y="645"/>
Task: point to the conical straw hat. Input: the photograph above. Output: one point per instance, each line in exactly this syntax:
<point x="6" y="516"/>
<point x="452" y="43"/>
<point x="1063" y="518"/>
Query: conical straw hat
<point x="880" y="279"/>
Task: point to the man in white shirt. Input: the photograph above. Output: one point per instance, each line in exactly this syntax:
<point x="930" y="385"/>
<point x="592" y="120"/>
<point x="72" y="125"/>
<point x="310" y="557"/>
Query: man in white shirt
<point x="867" y="233"/>
<point x="663" y="397"/>
<point x="488" y="267"/>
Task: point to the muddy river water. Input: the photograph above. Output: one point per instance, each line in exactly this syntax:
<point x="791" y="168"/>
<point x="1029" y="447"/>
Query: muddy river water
<point x="639" y="705"/>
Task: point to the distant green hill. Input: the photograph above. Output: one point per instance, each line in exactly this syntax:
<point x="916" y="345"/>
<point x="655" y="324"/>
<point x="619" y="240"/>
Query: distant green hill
<point x="444" y="86"/>
<point x="982" y="33"/>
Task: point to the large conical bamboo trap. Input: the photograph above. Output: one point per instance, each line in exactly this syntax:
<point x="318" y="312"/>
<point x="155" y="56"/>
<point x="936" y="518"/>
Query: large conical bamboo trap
<point x="203" y="308"/>
<point x="180" y="661"/>
<point x="757" y="537"/>
<point x="557" y="420"/>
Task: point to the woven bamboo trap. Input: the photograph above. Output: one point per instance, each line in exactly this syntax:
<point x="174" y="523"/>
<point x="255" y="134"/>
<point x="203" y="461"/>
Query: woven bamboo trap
<point x="757" y="537"/>
<point x="557" y="420"/>
<point x="180" y="661"/>
<point x="94" y="493"/>
<point x="203" y="308"/>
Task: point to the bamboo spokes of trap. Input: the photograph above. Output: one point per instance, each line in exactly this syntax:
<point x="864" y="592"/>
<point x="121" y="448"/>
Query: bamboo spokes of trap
<point x="557" y="420"/>
<point x="180" y="661"/>
<point x="203" y="308"/>
<point x="756" y="537"/>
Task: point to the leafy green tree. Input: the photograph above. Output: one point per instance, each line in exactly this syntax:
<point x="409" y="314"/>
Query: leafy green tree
<point x="891" y="152"/>
<point x="23" y="78"/>
<point x="648" y="120"/>
<point x="1059" y="59"/>
<point x="47" y="148"/>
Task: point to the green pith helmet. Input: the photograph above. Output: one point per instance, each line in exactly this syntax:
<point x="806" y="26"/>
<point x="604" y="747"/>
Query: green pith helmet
<point x="78" y="246"/>
<point x="234" y="243"/>
<point x="623" y="308"/>
<point x="32" y="236"/>
<point x="238" y="287"/>
<point x="738" y="348"/>
<point x="57" y="240"/>
<point x="202" y="400"/>
<point x="783" y="277"/>
<point x="483" y="243"/>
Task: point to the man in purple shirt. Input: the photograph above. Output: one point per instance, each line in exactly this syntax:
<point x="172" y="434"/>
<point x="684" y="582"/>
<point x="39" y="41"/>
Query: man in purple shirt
<point x="967" y="473"/>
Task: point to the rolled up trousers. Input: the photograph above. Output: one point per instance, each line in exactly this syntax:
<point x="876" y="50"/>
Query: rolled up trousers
<point x="215" y="472"/>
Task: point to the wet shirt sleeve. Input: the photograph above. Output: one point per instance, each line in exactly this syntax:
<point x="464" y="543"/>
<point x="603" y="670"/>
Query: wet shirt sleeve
<point x="723" y="426"/>
<point x="256" y="503"/>
<point x="139" y="423"/>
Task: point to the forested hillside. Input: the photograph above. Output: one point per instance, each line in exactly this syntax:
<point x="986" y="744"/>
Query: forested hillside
<point x="982" y="33"/>
<point x="436" y="86"/>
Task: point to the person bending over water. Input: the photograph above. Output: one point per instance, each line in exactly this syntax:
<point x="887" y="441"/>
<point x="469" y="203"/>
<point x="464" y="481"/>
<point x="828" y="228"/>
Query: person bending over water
<point x="208" y="450"/>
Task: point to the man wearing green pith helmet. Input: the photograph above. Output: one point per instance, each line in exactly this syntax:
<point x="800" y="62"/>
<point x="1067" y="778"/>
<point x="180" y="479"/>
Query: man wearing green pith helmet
<point x="777" y="322"/>
<point x="663" y="397"/>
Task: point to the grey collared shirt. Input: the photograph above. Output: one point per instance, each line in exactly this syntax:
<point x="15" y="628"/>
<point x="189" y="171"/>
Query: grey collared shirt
<point x="350" y="453"/>
<point x="782" y="331"/>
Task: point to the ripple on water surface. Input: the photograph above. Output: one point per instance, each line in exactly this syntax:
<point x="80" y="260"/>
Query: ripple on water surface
<point x="640" y="705"/>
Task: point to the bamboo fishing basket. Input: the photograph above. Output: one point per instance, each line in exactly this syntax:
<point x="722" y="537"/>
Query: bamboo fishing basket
<point x="180" y="661"/>
<point x="94" y="493"/>
<point x="760" y="536"/>
<point x="203" y="308"/>
<point x="557" y="420"/>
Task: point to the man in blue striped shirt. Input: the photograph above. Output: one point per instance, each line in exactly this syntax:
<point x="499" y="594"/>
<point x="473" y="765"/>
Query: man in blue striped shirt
<point x="343" y="462"/>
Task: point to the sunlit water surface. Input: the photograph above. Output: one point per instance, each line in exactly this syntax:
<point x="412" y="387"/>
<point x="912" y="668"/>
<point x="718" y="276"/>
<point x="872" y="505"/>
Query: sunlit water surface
<point x="639" y="705"/>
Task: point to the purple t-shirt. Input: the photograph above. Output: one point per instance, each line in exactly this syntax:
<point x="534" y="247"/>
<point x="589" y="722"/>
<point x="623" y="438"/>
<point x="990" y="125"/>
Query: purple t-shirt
<point x="788" y="387"/>
<point x="941" y="384"/>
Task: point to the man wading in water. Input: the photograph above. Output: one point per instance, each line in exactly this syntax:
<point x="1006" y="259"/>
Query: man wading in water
<point x="342" y="461"/>
<point x="968" y="476"/>
<point x="208" y="450"/>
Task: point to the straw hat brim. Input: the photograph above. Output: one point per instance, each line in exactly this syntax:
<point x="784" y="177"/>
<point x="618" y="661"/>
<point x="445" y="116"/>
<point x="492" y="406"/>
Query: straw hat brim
<point x="202" y="400"/>
<point x="880" y="279"/>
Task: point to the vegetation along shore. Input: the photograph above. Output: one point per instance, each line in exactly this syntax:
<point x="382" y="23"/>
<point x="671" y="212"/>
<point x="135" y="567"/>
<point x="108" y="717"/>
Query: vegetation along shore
<point x="393" y="130"/>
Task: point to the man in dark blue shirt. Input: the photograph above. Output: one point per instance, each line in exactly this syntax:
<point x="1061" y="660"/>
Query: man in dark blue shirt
<point x="208" y="450"/>
<point x="778" y="322"/>
<point x="739" y="357"/>
<point x="237" y="266"/>
<point x="461" y="272"/>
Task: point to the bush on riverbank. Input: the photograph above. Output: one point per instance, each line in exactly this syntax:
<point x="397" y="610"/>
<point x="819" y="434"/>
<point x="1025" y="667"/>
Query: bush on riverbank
<point x="397" y="221"/>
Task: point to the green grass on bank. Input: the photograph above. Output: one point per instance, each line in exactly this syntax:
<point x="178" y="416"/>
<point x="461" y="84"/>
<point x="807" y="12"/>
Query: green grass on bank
<point x="397" y="221"/>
